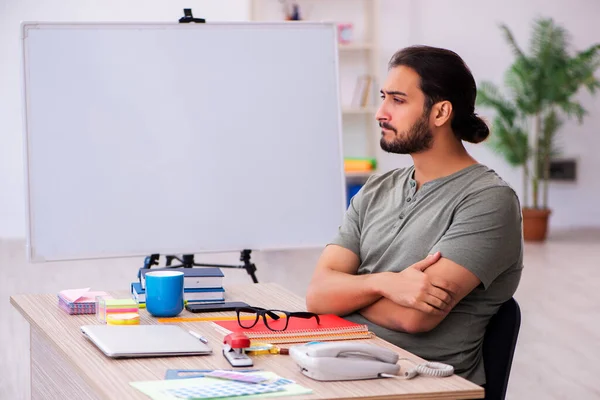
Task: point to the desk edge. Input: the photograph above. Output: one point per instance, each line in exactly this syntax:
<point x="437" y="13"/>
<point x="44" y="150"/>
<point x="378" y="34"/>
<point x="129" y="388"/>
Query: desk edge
<point x="39" y="331"/>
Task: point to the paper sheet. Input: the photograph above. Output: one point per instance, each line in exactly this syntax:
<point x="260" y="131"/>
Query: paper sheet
<point x="157" y="390"/>
<point x="80" y="295"/>
<point x="72" y="295"/>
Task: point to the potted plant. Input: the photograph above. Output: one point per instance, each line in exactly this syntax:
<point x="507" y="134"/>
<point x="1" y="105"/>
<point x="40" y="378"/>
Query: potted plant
<point x="541" y="89"/>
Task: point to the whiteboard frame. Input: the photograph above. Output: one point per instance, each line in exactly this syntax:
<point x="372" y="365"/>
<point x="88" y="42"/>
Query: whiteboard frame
<point x="25" y="26"/>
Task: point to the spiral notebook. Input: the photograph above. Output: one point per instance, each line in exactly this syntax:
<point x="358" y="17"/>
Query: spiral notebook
<point x="300" y="330"/>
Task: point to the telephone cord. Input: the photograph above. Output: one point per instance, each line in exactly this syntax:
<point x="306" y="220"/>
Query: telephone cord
<point x="430" y="368"/>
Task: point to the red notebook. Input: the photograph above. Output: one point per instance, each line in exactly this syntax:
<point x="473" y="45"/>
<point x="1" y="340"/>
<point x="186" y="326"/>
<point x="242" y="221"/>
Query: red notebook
<point x="331" y="327"/>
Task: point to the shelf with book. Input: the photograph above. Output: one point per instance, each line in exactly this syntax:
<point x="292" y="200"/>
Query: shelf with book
<point x="358" y="46"/>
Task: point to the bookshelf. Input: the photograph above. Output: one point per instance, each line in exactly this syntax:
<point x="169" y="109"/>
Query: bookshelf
<point x="358" y="58"/>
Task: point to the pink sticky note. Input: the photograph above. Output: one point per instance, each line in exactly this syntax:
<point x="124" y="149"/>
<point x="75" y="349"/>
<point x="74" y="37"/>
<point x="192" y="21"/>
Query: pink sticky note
<point x="72" y="295"/>
<point x="81" y="295"/>
<point x="90" y="297"/>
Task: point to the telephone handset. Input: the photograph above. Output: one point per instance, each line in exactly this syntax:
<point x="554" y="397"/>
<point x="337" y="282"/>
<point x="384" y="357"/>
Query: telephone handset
<point x="336" y="361"/>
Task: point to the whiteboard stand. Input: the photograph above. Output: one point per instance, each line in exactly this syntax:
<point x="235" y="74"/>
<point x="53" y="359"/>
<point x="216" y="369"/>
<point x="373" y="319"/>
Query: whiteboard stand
<point x="187" y="261"/>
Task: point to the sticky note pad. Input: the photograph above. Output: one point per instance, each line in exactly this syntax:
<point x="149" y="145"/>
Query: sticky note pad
<point x="123" y="319"/>
<point x="106" y="306"/>
<point x="120" y="303"/>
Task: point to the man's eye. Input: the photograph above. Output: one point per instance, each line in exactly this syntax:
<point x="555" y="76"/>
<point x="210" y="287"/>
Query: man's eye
<point x="399" y="101"/>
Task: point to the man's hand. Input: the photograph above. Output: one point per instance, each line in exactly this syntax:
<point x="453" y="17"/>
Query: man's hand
<point x="459" y="282"/>
<point x="414" y="289"/>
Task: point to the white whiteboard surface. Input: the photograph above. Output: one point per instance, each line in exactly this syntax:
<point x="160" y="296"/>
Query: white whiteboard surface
<point x="180" y="138"/>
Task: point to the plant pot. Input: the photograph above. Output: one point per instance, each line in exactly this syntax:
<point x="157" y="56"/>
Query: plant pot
<point x="535" y="224"/>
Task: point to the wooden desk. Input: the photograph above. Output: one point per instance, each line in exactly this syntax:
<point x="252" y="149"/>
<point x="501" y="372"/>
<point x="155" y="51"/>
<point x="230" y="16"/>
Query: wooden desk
<point x="65" y="365"/>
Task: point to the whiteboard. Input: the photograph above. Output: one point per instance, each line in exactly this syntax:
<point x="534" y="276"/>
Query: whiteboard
<point x="180" y="138"/>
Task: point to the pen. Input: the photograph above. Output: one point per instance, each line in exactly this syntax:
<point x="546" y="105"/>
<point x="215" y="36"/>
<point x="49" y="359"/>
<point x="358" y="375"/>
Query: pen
<point x="199" y="337"/>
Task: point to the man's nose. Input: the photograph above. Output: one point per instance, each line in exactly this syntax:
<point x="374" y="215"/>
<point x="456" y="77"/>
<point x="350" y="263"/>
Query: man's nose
<point x="382" y="115"/>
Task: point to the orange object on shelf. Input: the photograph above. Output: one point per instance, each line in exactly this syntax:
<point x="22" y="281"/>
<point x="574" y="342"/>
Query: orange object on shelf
<point x="357" y="165"/>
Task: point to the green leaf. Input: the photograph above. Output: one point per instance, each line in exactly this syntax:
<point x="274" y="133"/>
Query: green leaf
<point x="583" y="66"/>
<point x="574" y="109"/>
<point x="551" y="124"/>
<point x="488" y="95"/>
<point x="519" y="79"/>
<point x="549" y="42"/>
<point x="509" y="141"/>
<point x="547" y="148"/>
<point x="510" y="38"/>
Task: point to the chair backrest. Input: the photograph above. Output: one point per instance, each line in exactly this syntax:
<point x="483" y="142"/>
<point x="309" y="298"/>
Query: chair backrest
<point x="499" y="345"/>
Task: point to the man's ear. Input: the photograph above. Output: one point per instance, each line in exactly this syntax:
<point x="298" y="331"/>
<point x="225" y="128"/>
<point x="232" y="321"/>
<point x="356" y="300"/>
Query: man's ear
<point x="441" y="113"/>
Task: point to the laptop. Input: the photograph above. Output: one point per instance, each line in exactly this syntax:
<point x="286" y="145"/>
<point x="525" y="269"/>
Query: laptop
<point x="130" y="341"/>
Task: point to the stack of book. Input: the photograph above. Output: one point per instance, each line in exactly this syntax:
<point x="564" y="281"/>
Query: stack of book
<point x="201" y="285"/>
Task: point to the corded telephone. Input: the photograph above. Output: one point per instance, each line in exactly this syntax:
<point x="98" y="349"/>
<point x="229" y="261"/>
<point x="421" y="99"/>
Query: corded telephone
<point x="344" y="361"/>
<point x="339" y="361"/>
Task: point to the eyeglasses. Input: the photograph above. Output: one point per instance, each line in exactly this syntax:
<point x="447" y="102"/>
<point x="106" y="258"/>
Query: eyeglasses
<point x="275" y="320"/>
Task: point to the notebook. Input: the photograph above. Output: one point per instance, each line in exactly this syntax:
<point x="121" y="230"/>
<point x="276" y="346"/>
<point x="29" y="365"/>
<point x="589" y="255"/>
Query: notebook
<point x="300" y="330"/>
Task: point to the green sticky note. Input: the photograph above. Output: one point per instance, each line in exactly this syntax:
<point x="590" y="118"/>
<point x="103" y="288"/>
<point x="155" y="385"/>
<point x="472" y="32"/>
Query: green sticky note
<point x="120" y="303"/>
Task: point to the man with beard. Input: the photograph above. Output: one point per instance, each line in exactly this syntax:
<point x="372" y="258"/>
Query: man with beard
<point x="426" y="255"/>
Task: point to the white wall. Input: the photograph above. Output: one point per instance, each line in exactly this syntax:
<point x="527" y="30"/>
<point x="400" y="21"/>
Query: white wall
<point x="12" y="12"/>
<point x="470" y="27"/>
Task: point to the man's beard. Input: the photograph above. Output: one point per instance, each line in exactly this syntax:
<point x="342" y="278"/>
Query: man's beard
<point x="417" y="139"/>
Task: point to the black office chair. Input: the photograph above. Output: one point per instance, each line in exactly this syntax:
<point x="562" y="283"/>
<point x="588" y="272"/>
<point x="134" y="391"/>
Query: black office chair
<point x="499" y="345"/>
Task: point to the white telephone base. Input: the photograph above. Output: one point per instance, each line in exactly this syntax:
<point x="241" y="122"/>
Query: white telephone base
<point x="342" y="361"/>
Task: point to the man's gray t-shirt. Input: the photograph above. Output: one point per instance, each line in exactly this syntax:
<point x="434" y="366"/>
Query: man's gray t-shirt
<point x="473" y="218"/>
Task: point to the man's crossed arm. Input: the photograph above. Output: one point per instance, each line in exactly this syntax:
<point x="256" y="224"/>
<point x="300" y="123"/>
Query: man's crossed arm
<point x="414" y="300"/>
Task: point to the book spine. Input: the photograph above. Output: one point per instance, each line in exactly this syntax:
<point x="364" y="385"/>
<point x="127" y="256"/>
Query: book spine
<point x="308" y="332"/>
<point x="191" y="282"/>
<point x="361" y="331"/>
<point x="313" y="338"/>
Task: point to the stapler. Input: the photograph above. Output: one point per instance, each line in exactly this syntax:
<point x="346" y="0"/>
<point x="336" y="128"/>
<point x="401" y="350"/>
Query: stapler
<point x="234" y="346"/>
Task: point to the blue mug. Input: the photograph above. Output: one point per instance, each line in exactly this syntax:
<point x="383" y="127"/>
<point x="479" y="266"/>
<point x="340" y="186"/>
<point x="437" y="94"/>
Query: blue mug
<point x="164" y="293"/>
